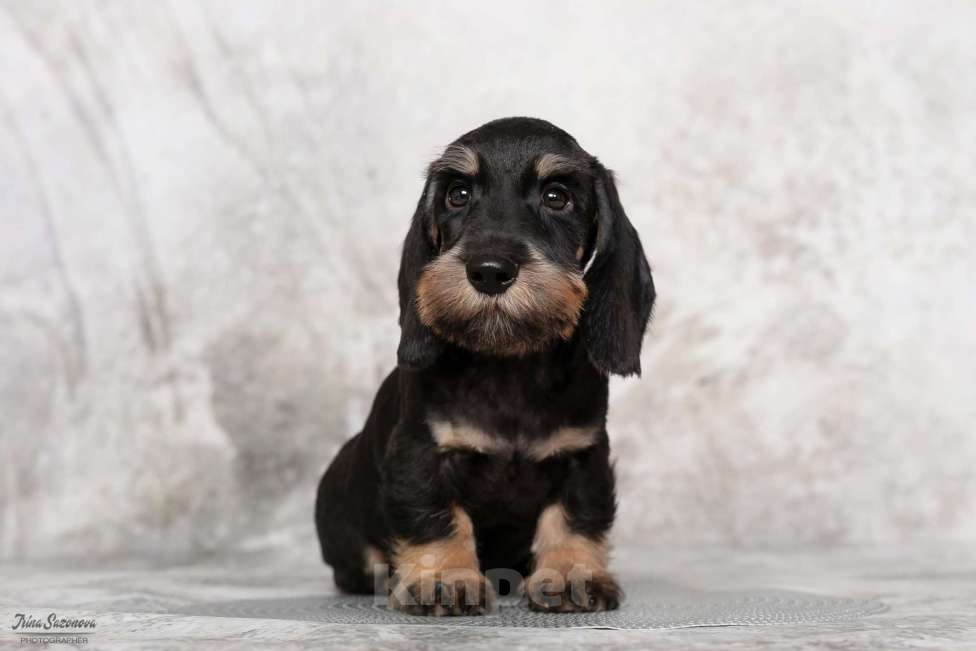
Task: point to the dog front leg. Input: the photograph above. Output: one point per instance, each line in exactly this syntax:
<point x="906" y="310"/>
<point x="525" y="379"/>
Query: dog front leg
<point x="569" y="547"/>
<point x="434" y="552"/>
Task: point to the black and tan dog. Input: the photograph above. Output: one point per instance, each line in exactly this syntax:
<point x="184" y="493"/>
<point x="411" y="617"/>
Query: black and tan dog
<point x="523" y="286"/>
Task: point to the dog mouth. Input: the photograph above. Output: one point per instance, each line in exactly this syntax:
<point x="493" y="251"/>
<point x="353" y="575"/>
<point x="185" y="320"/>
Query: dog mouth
<point x="542" y="305"/>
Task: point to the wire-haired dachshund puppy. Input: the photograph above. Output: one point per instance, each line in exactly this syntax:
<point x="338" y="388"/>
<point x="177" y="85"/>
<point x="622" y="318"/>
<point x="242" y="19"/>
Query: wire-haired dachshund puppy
<point x="523" y="286"/>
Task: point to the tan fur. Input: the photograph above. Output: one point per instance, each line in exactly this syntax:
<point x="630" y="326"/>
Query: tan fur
<point x="457" y="158"/>
<point x="453" y="560"/>
<point x="460" y="435"/>
<point x="434" y="231"/>
<point x="457" y="550"/>
<point x="570" y="570"/>
<point x="542" y="293"/>
<point x="558" y="549"/>
<point x="554" y="164"/>
<point x="564" y="439"/>
<point x="372" y="557"/>
<point x="463" y="436"/>
<point x="376" y="565"/>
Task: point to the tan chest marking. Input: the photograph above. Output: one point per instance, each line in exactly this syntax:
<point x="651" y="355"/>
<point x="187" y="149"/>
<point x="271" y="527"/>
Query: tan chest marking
<point x="463" y="436"/>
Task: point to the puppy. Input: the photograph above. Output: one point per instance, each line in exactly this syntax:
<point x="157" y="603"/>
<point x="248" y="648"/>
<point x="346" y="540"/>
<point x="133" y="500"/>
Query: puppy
<point x="523" y="287"/>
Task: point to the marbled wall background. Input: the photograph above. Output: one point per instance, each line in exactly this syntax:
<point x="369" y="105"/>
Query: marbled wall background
<point x="203" y="203"/>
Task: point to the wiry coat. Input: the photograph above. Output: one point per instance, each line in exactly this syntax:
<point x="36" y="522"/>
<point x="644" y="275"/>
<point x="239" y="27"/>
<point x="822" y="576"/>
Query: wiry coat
<point x="486" y="448"/>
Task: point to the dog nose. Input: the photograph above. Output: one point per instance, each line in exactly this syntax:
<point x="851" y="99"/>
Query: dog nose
<point x="491" y="274"/>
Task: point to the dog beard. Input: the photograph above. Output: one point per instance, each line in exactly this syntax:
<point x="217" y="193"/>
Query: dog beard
<point x="542" y="305"/>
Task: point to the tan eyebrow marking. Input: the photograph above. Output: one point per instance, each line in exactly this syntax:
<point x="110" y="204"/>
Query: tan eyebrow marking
<point x="456" y="158"/>
<point x="553" y="164"/>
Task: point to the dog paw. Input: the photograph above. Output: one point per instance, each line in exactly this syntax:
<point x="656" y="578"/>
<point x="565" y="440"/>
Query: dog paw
<point x="550" y="591"/>
<point x="444" y="595"/>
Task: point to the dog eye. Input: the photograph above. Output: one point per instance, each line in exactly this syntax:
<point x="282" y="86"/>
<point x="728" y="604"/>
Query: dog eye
<point x="458" y="195"/>
<point x="555" y="199"/>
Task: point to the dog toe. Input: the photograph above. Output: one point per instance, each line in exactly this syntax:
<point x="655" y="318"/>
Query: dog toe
<point x="576" y="595"/>
<point x="444" y="598"/>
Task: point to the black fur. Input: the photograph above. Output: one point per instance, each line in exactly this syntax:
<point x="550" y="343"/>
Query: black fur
<point x="419" y="347"/>
<point x="621" y="288"/>
<point x="391" y="481"/>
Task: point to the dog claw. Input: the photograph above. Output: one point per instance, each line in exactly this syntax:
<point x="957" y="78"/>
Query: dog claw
<point x="463" y="598"/>
<point x="577" y="596"/>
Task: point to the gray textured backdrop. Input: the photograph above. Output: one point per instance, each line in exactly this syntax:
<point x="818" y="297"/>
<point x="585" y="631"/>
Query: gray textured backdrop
<point x="202" y="207"/>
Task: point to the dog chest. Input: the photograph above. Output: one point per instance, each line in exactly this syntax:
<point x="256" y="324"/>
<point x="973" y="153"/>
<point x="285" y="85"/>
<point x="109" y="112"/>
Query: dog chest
<point x="454" y="435"/>
<point x="502" y="489"/>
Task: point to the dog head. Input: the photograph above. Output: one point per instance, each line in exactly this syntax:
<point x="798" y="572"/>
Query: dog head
<point x="518" y="241"/>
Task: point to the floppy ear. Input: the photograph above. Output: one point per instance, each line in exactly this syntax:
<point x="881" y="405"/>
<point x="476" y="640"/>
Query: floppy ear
<point x="621" y="290"/>
<point x="418" y="347"/>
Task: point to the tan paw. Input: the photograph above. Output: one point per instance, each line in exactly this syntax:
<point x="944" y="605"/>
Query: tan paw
<point x="462" y="592"/>
<point x="551" y="591"/>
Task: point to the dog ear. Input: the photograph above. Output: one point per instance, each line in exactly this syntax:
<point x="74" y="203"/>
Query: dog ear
<point x="418" y="348"/>
<point x="621" y="290"/>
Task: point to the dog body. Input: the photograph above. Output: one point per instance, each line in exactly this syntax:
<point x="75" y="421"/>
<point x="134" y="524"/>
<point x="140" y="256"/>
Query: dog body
<point x="523" y="286"/>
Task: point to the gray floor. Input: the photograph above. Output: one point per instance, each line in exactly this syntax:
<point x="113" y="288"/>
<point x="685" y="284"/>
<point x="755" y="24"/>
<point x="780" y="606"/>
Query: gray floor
<point x="930" y="593"/>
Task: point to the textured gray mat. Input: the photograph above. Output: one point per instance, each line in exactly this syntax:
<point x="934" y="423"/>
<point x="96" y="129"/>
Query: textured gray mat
<point x="649" y="604"/>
